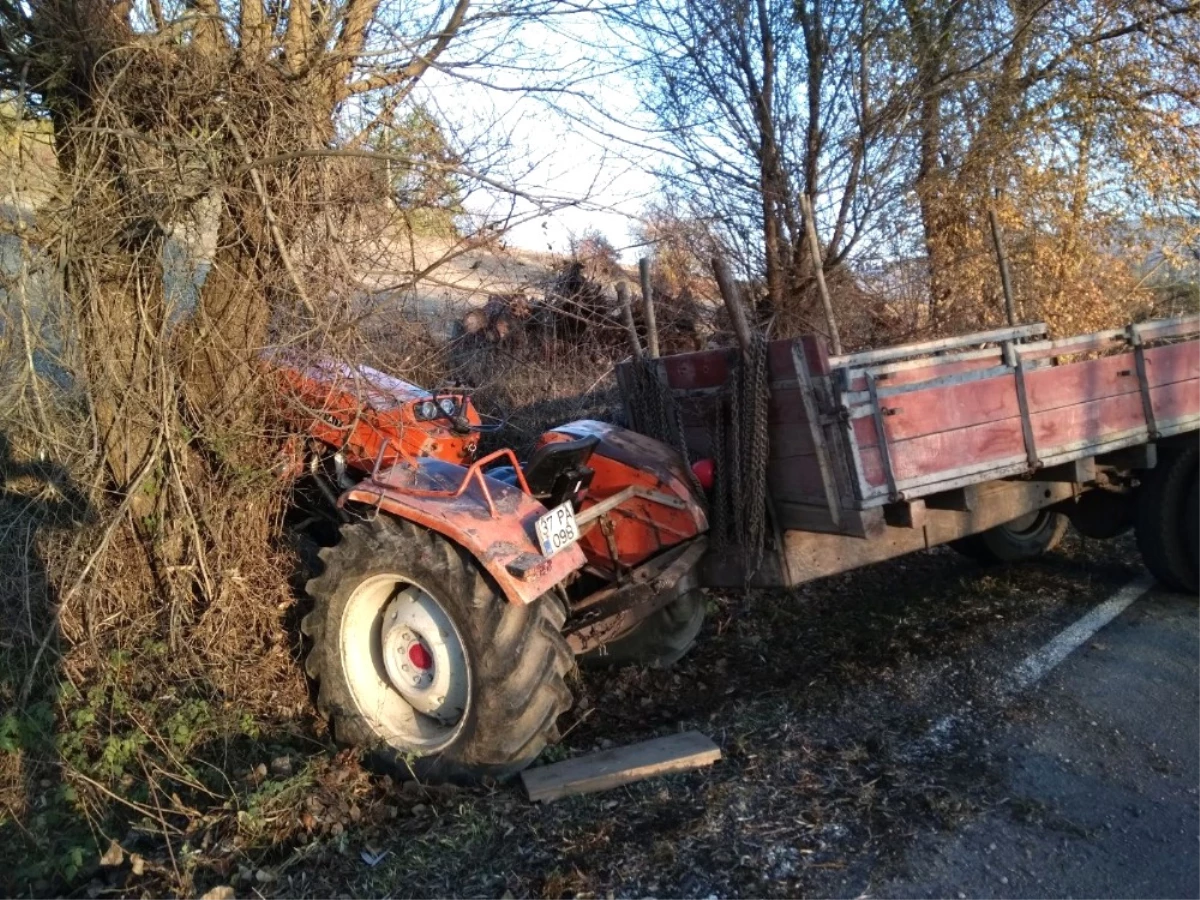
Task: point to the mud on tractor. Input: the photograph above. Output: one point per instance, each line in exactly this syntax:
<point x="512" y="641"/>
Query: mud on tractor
<point x="453" y="590"/>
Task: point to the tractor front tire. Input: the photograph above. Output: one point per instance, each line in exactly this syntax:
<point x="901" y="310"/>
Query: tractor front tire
<point x="422" y="663"/>
<point x="1025" y="538"/>
<point x="1166" y="525"/>
<point x="660" y="640"/>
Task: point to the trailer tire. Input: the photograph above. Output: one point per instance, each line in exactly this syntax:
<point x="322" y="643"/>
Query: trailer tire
<point x="1024" y="538"/>
<point x="1192" y="523"/>
<point x="660" y="640"/>
<point x="396" y="602"/>
<point x="1102" y="514"/>
<point x="1163" y="528"/>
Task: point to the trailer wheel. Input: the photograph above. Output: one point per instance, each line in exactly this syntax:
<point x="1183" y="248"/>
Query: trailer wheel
<point x="660" y="640"/>
<point x="1192" y="523"/>
<point x="1027" y="537"/>
<point x="1103" y="514"/>
<point x="419" y="660"/>
<point x="1165" y="526"/>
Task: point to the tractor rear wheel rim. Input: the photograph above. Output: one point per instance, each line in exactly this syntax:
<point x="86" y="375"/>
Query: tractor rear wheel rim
<point x="405" y="663"/>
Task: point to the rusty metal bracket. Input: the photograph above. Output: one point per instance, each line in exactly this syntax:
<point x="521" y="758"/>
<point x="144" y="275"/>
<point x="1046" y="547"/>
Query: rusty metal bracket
<point x="609" y="530"/>
<point x="611" y="612"/>
<point x="608" y="504"/>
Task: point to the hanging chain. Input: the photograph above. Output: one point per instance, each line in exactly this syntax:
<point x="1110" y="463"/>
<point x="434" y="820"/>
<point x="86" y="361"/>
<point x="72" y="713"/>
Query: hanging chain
<point x="736" y="479"/>
<point x="739" y="440"/>
<point x="752" y="430"/>
<point x="656" y="413"/>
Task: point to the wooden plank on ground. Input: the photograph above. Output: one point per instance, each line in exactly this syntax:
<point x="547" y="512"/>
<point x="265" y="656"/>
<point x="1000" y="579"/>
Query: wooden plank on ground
<point x="620" y="765"/>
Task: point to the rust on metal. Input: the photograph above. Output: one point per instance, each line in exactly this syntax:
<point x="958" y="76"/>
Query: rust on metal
<point x="491" y="519"/>
<point x="612" y="612"/>
<point x="371" y="417"/>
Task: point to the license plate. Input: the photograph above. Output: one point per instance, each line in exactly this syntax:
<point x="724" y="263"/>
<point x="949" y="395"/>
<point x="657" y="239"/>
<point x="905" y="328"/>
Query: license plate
<point x="556" y="530"/>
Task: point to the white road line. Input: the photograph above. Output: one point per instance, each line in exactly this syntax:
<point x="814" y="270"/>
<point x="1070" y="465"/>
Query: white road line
<point x="1034" y="667"/>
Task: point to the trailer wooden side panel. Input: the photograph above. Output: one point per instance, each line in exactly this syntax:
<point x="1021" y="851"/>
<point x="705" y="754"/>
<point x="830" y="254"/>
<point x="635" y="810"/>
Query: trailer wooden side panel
<point x="951" y="428"/>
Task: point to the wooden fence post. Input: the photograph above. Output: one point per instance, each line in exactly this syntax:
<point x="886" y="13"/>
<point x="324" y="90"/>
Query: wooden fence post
<point x="627" y="316"/>
<point x="814" y="245"/>
<point x="648" y="301"/>
<point x="1010" y="306"/>
<point x="733" y="302"/>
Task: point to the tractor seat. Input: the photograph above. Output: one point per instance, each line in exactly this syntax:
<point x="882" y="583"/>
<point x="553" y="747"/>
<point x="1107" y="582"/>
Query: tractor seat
<point x="557" y="471"/>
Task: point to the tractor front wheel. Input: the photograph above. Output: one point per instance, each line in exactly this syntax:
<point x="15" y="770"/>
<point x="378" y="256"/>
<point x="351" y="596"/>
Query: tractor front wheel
<point x="660" y="640"/>
<point x="419" y="659"/>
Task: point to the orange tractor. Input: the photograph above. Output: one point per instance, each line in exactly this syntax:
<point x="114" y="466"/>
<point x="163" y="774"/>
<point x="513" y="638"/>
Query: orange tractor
<point x="454" y="590"/>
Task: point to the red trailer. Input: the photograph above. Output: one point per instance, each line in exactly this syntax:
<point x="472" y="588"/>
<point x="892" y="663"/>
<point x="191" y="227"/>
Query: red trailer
<point x="987" y="440"/>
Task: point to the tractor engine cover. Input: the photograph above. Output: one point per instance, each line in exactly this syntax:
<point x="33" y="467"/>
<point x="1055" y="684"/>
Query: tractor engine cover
<point x="666" y="510"/>
<point x="370" y="416"/>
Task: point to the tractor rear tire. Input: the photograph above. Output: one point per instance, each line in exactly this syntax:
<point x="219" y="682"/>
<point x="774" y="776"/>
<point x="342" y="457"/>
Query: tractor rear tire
<point x="1025" y="538"/>
<point x="658" y="641"/>
<point x="422" y="663"/>
<point x="1166" y="527"/>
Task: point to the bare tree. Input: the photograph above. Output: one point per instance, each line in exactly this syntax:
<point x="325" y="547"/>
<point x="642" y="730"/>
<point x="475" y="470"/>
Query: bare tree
<point x="262" y="133"/>
<point x="761" y="102"/>
<point x="913" y="119"/>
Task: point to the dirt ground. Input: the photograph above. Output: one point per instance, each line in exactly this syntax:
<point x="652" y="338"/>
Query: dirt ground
<point x="822" y="701"/>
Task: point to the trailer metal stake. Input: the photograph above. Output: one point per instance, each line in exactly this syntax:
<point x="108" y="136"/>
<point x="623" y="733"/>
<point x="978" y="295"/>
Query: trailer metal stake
<point x="1012" y="356"/>
<point x="1139" y="359"/>
<point x="885" y="454"/>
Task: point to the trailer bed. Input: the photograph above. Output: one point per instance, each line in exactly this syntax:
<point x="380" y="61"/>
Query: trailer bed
<point x="851" y="434"/>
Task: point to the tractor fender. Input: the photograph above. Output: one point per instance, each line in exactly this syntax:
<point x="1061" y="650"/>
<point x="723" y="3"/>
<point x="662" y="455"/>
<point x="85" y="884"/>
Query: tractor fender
<point x="499" y="535"/>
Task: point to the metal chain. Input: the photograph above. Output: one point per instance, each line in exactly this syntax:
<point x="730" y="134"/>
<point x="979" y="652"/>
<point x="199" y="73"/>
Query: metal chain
<point x="656" y="413"/>
<point x="680" y="444"/>
<point x="736" y="479"/>
<point x="646" y="401"/>
<point x="753" y="431"/>
<point x="739" y="441"/>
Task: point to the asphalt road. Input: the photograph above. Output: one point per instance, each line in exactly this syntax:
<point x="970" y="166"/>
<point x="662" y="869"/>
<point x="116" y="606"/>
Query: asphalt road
<point x="1099" y="774"/>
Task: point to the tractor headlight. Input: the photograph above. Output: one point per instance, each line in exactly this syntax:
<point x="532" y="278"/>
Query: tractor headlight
<point x="448" y="406"/>
<point x="425" y="410"/>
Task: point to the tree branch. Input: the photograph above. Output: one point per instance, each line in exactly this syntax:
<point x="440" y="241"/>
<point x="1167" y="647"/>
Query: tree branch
<point x="297" y="40"/>
<point x="417" y="67"/>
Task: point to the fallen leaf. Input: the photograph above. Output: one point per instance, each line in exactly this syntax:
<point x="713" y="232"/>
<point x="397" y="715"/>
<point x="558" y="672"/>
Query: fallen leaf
<point x="113" y="856"/>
